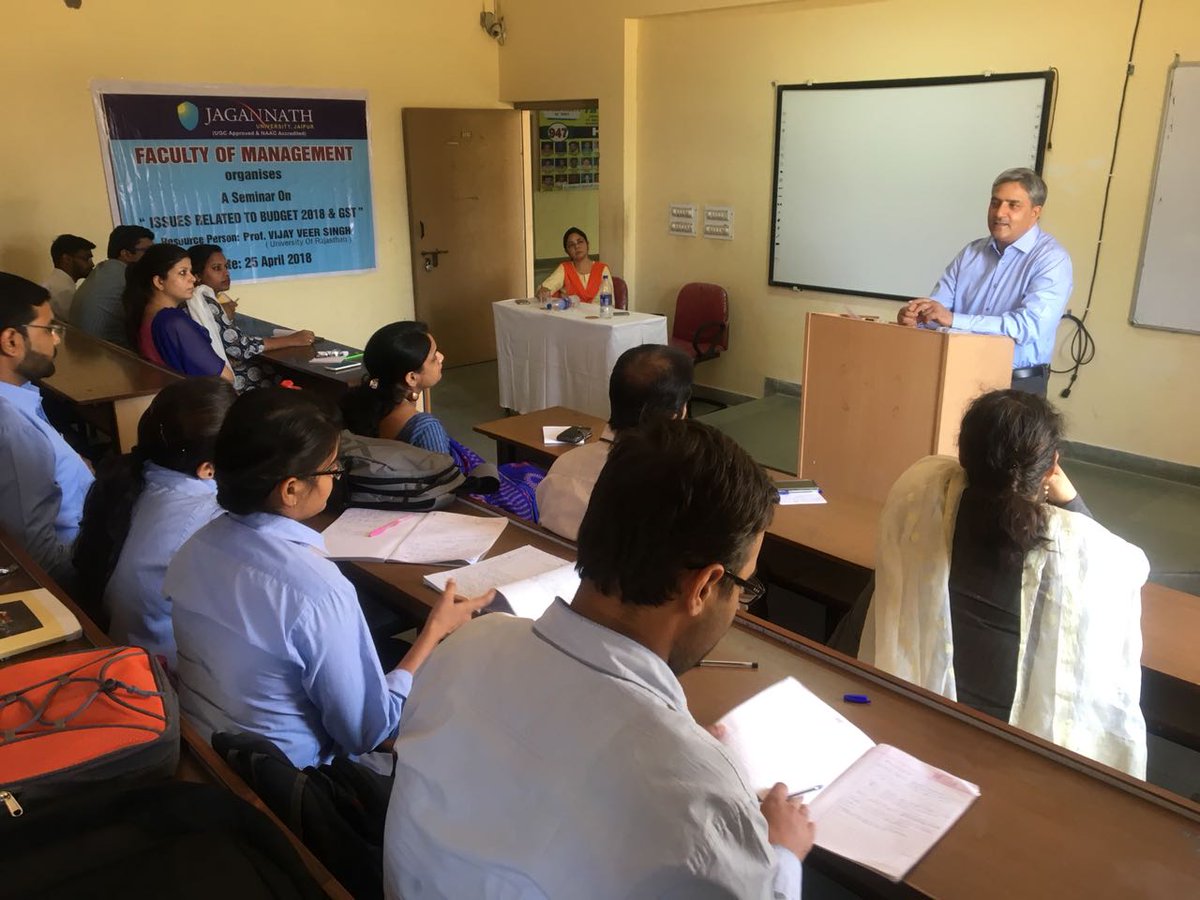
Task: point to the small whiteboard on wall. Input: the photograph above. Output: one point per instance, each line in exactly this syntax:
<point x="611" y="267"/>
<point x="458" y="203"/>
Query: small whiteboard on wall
<point x="1168" y="287"/>
<point x="878" y="184"/>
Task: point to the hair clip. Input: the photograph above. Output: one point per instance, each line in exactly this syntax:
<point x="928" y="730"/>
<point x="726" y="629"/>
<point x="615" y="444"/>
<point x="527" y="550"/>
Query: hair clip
<point x="373" y="384"/>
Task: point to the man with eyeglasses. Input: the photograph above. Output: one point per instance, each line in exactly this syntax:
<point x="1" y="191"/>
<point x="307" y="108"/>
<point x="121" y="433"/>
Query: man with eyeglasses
<point x="43" y="481"/>
<point x="97" y="307"/>
<point x="557" y="758"/>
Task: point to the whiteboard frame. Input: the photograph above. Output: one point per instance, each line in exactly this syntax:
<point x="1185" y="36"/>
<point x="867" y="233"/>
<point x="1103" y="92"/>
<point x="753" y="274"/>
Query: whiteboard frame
<point x="1048" y="76"/>
<point x="1162" y="136"/>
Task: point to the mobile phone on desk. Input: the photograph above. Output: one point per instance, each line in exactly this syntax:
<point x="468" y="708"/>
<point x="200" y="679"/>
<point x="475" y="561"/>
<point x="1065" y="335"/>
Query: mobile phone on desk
<point x="797" y="484"/>
<point x="576" y="434"/>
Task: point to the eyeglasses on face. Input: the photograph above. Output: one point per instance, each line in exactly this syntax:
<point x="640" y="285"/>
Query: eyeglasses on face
<point x="57" y="330"/>
<point x="752" y="588"/>
<point x="334" y="472"/>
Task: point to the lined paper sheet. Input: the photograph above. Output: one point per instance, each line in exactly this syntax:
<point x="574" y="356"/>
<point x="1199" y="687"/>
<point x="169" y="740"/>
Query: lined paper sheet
<point x="430" y="538"/>
<point x="349" y="536"/>
<point x="528" y="579"/>
<point x="888" y="810"/>
<point x="786" y="733"/>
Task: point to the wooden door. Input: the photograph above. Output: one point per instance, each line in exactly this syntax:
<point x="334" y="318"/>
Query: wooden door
<point x="468" y="199"/>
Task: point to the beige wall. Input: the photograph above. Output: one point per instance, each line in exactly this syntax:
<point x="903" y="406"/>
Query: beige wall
<point x="688" y="106"/>
<point x="415" y="54"/>
<point x="556" y="211"/>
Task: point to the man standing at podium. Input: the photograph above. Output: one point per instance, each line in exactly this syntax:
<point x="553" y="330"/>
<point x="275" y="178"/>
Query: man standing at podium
<point x="1015" y="283"/>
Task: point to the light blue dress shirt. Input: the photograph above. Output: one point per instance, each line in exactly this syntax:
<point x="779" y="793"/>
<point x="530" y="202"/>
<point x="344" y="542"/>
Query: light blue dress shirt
<point x="271" y="640"/>
<point x="43" y="482"/>
<point x="171" y="508"/>
<point x="558" y="758"/>
<point x="97" y="307"/>
<point x="1020" y="292"/>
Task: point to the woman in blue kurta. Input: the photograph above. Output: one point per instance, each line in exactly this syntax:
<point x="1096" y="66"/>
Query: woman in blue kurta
<point x="157" y="287"/>
<point x="145" y="504"/>
<point x="271" y="639"/>
<point x="402" y="360"/>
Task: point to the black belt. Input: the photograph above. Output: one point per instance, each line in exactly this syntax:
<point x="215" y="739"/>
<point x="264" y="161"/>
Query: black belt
<point x="1030" y="372"/>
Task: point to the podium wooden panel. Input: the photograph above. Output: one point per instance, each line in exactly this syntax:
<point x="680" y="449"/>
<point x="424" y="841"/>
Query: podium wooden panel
<point x="879" y="396"/>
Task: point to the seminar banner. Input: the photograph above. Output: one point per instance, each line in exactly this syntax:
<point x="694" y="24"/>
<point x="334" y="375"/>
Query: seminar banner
<point x="282" y="184"/>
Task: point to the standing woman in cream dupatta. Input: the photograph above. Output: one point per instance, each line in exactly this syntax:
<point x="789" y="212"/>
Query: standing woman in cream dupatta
<point x="995" y="587"/>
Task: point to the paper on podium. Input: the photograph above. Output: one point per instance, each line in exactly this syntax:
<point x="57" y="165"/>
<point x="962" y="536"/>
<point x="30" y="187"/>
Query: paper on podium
<point x="879" y="806"/>
<point x="786" y="733"/>
<point x="432" y="538"/>
<point x="550" y="433"/>
<point x="528" y="579"/>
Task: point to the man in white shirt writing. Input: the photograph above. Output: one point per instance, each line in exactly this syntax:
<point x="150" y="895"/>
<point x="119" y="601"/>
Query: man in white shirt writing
<point x="557" y="758"/>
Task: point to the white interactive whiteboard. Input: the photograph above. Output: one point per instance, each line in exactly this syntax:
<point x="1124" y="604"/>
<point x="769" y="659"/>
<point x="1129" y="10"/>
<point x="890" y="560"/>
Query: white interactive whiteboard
<point x="1168" y="289"/>
<point x="878" y="184"/>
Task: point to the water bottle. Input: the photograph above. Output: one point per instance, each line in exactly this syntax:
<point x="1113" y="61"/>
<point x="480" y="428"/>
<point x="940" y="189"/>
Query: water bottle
<point x="606" y="298"/>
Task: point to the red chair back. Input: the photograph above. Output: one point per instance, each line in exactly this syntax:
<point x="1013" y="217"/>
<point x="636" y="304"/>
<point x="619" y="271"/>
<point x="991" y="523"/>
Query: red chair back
<point x="698" y="304"/>
<point x="620" y="293"/>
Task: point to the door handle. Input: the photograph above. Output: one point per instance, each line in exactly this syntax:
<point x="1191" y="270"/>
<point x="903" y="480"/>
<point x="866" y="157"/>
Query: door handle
<point x="431" y="258"/>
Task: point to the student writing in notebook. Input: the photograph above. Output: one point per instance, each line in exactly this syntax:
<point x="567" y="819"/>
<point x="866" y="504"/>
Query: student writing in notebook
<point x="142" y="508"/>
<point x="270" y="636"/>
<point x="557" y="757"/>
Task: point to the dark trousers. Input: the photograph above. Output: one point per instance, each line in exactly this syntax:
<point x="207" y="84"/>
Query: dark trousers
<point x="1033" y="384"/>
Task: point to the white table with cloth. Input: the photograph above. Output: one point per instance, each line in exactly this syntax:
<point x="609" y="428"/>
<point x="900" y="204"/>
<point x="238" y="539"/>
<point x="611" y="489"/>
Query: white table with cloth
<point x="564" y="357"/>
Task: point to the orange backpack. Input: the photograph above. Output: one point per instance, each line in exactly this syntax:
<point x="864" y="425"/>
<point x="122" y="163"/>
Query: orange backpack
<point x="78" y="719"/>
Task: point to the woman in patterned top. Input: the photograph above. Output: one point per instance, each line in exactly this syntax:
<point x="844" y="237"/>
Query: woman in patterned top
<point x="402" y="360"/>
<point x="216" y="312"/>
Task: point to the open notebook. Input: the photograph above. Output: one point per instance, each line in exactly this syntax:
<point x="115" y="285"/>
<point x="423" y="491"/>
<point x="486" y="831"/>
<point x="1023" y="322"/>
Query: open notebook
<point x="526" y="581"/>
<point x="382" y="535"/>
<point x="873" y="804"/>
<point x="32" y="619"/>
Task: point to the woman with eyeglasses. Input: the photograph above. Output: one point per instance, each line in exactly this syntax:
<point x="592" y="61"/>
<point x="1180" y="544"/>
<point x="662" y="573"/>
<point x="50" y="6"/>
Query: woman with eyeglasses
<point x="157" y="287"/>
<point x="143" y="506"/>
<point x="578" y="275"/>
<point x="271" y="639"/>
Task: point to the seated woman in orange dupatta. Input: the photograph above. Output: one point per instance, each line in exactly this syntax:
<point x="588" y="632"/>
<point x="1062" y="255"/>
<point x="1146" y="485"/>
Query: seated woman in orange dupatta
<point x="578" y="276"/>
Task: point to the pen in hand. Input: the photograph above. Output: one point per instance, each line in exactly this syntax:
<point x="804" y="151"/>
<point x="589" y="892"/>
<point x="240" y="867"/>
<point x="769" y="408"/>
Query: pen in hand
<point x="808" y="790"/>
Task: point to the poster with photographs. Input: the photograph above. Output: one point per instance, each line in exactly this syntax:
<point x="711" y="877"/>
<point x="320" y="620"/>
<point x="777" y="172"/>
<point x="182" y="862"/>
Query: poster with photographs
<point x="569" y="149"/>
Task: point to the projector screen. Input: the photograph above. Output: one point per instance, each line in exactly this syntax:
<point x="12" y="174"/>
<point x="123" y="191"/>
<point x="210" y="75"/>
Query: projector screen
<point x="878" y="184"/>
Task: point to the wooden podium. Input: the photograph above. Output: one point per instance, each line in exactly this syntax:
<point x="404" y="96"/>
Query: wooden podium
<point x="879" y="396"/>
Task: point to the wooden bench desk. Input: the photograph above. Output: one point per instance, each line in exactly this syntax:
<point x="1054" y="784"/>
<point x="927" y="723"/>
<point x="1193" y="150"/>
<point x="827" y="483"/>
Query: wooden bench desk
<point x="829" y="549"/>
<point x="1049" y="823"/>
<point x="198" y="762"/>
<point x="519" y="438"/>
<point x="109" y="387"/>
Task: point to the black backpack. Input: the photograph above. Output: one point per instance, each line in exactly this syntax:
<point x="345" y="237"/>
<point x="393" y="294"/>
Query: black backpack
<point x="337" y="810"/>
<point x="174" y="839"/>
<point x="386" y="474"/>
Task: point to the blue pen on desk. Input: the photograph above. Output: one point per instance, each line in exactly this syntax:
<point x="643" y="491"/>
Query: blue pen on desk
<point x="856" y="698"/>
